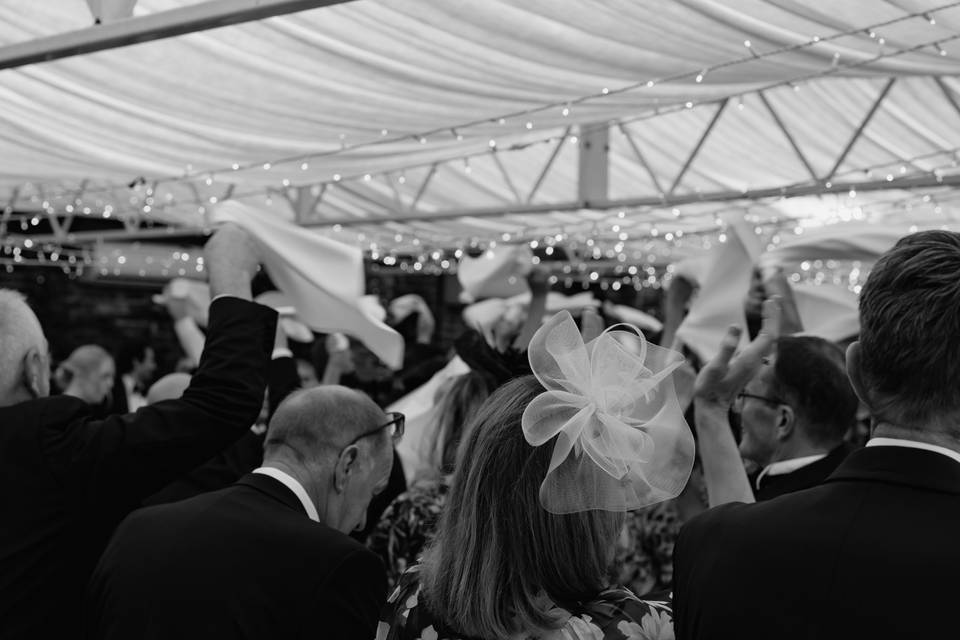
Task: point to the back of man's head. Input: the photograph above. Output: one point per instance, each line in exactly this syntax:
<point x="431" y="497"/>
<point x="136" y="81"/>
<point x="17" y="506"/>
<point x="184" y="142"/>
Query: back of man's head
<point x="810" y="374"/>
<point x="20" y="331"/>
<point x="909" y="356"/>
<point x="312" y="423"/>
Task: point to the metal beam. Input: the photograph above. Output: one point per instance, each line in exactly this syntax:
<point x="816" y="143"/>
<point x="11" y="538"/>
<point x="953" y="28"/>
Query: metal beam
<point x="863" y="125"/>
<point x="164" y="24"/>
<point x="549" y="165"/>
<point x="786" y="133"/>
<point x="85" y="237"/>
<point x="696" y="150"/>
<point x="636" y="151"/>
<point x="790" y="191"/>
<point x="948" y="94"/>
<point x="506" y="178"/>
<point x="303" y="202"/>
<point x="423" y="185"/>
<point x="376" y="201"/>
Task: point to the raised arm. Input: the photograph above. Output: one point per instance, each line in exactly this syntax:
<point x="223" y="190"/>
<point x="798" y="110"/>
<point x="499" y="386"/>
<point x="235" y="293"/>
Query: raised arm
<point x="116" y="462"/>
<point x="775" y="284"/>
<point x="715" y="389"/>
<point x="539" y="287"/>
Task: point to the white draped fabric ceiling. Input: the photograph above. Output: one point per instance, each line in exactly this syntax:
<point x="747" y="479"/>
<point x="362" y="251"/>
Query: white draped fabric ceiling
<point x="388" y="114"/>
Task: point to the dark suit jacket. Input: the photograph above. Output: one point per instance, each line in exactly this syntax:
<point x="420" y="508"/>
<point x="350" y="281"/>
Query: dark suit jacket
<point x="242" y="456"/>
<point x="803" y="478"/>
<point x="871" y="553"/>
<point x="242" y="562"/>
<point x="66" y="479"/>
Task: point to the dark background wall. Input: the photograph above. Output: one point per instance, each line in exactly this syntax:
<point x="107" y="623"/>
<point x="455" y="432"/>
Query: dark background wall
<point x="111" y="312"/>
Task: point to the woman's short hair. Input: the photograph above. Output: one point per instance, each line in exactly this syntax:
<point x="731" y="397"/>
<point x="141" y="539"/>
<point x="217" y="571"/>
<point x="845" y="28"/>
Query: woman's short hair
<point x="499" y="558"/>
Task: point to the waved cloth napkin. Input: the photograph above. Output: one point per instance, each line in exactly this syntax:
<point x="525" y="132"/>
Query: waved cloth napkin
<point x="719" y="303"/>
<point x="324" y="279"/>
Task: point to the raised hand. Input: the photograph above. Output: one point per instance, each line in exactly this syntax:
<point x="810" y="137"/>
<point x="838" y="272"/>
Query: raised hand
<point x="232" y="259"/>
<point x="724" y="376"/>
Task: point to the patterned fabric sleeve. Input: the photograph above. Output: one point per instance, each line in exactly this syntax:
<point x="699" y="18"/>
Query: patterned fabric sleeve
<point x="619" y="615"/>
<point x="405" y="527"/>
<point x="616" y="614"/>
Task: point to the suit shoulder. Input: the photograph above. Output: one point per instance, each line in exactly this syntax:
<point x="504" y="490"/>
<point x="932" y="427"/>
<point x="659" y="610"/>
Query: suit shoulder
<point x="758" y="515"/>
<point x="57" y="412"/>
<point x="711" y="519"/>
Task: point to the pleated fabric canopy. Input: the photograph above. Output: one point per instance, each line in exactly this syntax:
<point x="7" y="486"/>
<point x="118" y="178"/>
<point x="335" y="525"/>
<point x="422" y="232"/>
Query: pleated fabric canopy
<point x="416" y="123"/>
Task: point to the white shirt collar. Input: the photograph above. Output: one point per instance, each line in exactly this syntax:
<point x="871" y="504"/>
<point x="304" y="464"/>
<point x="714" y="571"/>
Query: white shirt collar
<point x="291" y="483"/>
<point x="784" y="467"/>
<point x="913" y="444"/>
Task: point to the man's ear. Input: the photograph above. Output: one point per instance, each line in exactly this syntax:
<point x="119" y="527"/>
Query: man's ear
<point x="347" y="464"/>
<point x="855" y="374"/>
<point x="35" y="374"/>
<point x="786" y="422"/>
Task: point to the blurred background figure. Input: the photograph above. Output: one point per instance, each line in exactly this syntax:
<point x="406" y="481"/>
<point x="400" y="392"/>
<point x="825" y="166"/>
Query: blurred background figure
<point x="87" y="374"/>
<point x="307" y="374"/>
<point x="137" y="365"/>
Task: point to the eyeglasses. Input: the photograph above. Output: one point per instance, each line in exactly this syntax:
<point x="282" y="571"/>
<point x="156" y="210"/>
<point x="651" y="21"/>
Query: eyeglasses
<point x="738" y="402"/>
<point x="395" y="424"/>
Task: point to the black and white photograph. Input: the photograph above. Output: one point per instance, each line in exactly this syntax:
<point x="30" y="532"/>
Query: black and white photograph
<point x="461" y="320"/>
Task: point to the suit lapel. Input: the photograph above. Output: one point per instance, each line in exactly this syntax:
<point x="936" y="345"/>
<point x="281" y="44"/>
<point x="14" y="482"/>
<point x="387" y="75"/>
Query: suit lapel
<point x="917" y="468"/>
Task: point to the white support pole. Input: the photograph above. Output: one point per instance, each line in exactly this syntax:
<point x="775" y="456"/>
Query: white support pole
<point x="593" y="175"/>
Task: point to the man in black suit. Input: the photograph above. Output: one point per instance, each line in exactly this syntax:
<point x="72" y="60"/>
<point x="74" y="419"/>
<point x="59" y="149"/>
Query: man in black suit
<point x="794" y="414"/>
<point x="872" y="552"/>
<point x="268" y="557"/>
<point x="67" y="479"/>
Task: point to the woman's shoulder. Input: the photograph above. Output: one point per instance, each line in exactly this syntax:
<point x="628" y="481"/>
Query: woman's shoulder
<point x="617" y="614"/>
<point x="404" y="616"/>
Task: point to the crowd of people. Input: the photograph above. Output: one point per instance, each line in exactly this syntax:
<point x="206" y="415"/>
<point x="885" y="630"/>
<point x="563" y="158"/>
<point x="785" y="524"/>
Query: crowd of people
<point x="578" y="481"/>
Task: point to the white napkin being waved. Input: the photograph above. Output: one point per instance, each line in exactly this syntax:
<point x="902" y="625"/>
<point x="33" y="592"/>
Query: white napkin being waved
<point x="324" y="279"/>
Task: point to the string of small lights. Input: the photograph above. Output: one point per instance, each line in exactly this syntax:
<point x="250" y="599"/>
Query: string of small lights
<point x="207" y="176"/>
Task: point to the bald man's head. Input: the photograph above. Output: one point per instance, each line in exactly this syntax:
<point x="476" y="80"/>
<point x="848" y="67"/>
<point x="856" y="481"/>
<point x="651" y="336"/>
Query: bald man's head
<point x="313" y="421"/>
<point x="335" y="442"/>
<point x="24" y="357"/>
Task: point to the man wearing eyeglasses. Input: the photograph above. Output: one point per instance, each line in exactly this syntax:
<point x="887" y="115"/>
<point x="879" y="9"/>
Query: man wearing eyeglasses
<point x="794" y="414"/>
<point x="270" y="556"/>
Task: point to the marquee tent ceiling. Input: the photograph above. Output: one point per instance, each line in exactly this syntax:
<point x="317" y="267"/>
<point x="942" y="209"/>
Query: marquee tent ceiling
<point x="435" y="122"/>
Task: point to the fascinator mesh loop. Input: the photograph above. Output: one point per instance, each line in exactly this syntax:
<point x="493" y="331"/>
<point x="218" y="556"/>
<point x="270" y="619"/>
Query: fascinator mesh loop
<point x="620" y="441"/>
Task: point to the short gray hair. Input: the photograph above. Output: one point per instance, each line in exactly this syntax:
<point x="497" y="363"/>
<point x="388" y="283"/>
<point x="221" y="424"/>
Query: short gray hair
<point x="20" y="331"/>
<point x="312" y="421"/>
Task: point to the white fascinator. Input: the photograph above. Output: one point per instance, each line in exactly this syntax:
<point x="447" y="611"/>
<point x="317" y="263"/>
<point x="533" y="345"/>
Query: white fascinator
<point x="621" y="440"/>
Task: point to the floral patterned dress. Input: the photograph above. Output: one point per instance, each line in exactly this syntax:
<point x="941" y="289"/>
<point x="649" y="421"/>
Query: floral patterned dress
<point x="615" y="614"/>
<point x="407" y="525"/>
<point x="643" y="560"/>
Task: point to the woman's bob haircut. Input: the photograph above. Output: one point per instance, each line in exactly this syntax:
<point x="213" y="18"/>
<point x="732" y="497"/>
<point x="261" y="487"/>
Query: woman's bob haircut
<point x="499" y="560"/>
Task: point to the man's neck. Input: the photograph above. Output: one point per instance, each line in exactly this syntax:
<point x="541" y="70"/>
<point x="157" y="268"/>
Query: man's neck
<point x="799" y="449"/>
<point x="15" y="396"/>
<point x="299" y="474"/>
<point x="938" y="438"/>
